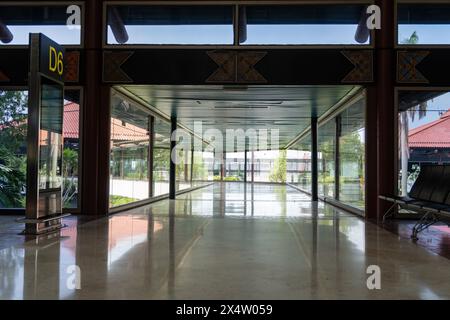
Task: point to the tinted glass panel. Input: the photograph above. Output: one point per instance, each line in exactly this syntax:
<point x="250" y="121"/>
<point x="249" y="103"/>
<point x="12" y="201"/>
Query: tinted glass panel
<point x="305" y="24"/>
<point x="50" y="158"/>
<point x="202" y="168"/>
<point x="326" y="145"/>
<point x="352" y="156"/>
<point x="130" y="140"/>
<point x="423" y="133"/>
<point x="302" y="152"/>
<point x="184" y="161"/>
<point x="170" y="25"/>
<point x="16" y="22"/>
<point x="424" y="24"/>
<point x="71" y="149"/>
<point x="161" y="157"/>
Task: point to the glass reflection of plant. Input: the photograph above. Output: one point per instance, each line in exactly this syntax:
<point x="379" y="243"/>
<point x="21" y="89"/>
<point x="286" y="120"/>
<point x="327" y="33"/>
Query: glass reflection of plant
<point x="199" y="172"/>
<point x="161" y="164"/>
<point x="13" y="115"/>
<point x="70" y="174"/>
<point x="352" y="150"/>
<point x="278" y="173"/>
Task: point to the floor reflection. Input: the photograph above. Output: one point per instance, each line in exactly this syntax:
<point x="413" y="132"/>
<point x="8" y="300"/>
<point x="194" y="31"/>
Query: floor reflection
<point x="240" y="199"/>
<point x="225" y="241"/>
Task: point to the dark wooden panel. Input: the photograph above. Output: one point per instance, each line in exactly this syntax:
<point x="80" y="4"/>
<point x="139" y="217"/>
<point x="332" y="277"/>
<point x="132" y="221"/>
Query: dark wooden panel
<point x="169" y="67"/>
<point x="14" y="66"/>
<point x="194" y="66"/>
<point x="435" y="67"/>
<point x="307" y="67"/>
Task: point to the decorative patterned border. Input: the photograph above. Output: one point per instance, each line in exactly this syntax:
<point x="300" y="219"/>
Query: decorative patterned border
<point x="407" y="62"/>
<point x="236" y="67"/>
<point x="363" y="66"/>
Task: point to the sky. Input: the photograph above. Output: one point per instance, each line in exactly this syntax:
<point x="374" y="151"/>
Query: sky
<point x="223" y="34"/>
<point x="435" y="108"/>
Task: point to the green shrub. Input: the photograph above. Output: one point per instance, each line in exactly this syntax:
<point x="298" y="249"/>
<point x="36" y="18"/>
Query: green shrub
<point x="115" y="201"/>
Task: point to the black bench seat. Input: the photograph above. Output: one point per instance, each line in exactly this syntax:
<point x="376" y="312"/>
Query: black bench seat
<point x="398" y="199"/>
<point x="429" y="195"/>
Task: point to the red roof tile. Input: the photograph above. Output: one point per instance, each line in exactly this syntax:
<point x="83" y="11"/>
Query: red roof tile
<point x="71" y="122"/>
<point x="435" y="134"/>
<point x="119" y="131"/>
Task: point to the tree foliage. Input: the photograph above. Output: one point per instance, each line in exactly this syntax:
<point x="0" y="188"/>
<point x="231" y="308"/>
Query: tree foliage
<point x="13" y="114"/>
<point x="278" y="173"/>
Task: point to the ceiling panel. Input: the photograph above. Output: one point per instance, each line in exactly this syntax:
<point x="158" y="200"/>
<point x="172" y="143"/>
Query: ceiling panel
<point x="286" y="108"/>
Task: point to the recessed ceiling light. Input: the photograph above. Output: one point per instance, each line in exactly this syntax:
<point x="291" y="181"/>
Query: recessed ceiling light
<point x="241" y="107"/>
<point x="234" y="87"/>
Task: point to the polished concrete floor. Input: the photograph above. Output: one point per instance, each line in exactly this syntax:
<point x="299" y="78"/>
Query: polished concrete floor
<point x="225" y="241"/>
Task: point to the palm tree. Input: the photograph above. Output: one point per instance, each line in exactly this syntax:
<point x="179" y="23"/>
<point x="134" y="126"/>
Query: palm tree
<point x="410" y="114"/>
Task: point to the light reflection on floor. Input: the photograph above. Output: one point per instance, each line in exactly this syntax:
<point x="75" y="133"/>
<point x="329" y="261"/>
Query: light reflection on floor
<point x="220" y="242"/>
<point x="245" y="200"/>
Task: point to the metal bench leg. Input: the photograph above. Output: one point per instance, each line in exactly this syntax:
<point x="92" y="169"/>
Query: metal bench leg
<point x="388" y="212"/>
<point x="423" y="223"/>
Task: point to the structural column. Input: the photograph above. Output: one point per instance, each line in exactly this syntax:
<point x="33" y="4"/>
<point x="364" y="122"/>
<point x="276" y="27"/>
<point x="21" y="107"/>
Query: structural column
<point x="223" y="166"/>
<point x="96" y="118"/>
<point x="192" y="162"/>
<point x="253" y="167"/>
<point x="337" y="158"/>
<point x="245" y="164"/>
<point x="173" y="167"/>
<point x="314" y="161"/>
<point x="381" y="118"/>
<point x="151" y="146"/>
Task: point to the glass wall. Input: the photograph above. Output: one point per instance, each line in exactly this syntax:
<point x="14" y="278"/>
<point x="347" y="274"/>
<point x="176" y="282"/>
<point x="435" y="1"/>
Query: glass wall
<point x="352" y="156"/>
<point x="71" y="149"/>
<point x="234" y="166"/>
<point x="303" y="24"/>
<point x="423" y="23"/>
<point x="161" y="157"/>
<point x="326" y="157"/>
<point x="171" y="24"/>
<point x="270" y="166"/>
<point x="349" y="126"/>
<point x="202" y="167"/>
<point x="131" y="140"/>
<point x="54" y="21"/>
<point x="13" y="148"/>
<point x="13" y="153"/>
<point x="183" y="168"/>
<point x="306" y="24"/>
<point x="302" y="152"/>
<point x="424" y="133"/>
<point x="130" y="137"/>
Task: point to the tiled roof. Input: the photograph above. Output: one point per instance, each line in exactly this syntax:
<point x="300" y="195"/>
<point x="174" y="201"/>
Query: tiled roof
<point x="71" y="121"/>
<point x="435" y="134"/>
<point x="127" y="132"/>
<point x="119" y="130"/>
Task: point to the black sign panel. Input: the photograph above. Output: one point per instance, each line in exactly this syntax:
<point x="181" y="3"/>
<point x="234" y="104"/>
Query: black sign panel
<point x="51" y="59"/>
